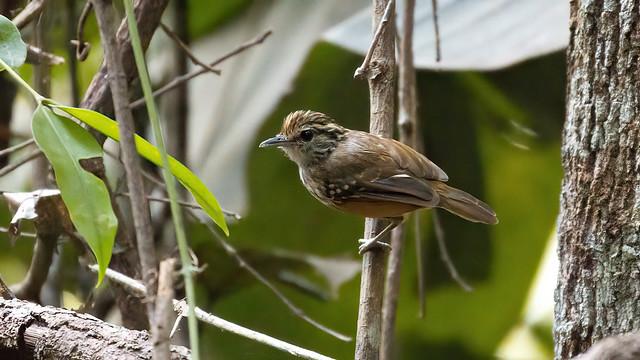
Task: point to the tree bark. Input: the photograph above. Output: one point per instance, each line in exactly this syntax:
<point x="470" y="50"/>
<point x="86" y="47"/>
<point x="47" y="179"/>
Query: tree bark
<point x="598" y="290"/>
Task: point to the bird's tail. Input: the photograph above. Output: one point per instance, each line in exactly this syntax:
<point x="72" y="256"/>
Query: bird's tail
<point x="464" y="205"/>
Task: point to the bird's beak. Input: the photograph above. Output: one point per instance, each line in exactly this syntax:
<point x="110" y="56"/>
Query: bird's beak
<point x="278" y="140"/>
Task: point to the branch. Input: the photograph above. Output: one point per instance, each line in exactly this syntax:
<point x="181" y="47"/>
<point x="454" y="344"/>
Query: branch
<point x="33" y="9"/>
<point x="31" y="331"/>
<point x="139" y="205"/>
<point x="148" y="13"/>
<point x="189" y="205"/>
<point x="186" y="77"/>
<point x="436" y="29"/>
<point x="363" y="70"/>
<point x="164" y="310"/>
<point x="16" y="147"/>
<point x="37" y="56"/>
<point x="382" y="98"/>
<point x="181" y="307"/>
<point x="186" y="49"/>
<point x="11" y="167"/>
<point x="444" y="253"/>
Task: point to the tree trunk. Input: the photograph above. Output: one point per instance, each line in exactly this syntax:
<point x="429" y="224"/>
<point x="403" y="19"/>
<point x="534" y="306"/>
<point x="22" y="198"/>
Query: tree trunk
<point x="598" y="290"/>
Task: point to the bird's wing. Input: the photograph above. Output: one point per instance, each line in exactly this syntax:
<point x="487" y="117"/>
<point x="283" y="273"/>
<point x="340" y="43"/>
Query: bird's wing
<point x="412" y="161"/>
<point x="400" y="188"/>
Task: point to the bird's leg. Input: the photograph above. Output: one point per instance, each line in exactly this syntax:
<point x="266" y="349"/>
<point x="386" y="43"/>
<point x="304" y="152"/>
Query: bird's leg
<point x="368" y="244"/>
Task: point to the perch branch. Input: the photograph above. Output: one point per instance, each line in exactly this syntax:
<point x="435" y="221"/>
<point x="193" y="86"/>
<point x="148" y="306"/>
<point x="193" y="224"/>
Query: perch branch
<point x="382" y="99"/>
<point x="164" y="310"/>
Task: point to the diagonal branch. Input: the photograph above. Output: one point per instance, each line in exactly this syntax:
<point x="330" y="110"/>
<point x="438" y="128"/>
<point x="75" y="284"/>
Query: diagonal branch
<point x="186" y="77"/>
<point x="180" y="306"/>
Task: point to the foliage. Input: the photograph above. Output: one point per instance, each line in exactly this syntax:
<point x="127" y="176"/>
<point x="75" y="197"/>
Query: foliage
<point x="13" y="51"/>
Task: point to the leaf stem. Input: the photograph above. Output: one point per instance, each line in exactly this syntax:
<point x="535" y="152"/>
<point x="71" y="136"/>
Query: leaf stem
<point x="176" y="211"/>
<point x="37" y="97"/>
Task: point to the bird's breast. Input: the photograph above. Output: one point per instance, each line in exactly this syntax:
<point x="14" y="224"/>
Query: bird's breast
<point x="327" y="189"/>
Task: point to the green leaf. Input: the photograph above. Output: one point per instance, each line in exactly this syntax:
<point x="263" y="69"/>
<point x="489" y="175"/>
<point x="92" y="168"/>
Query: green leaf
<point x="13" y="50"/>
<point x="201" y="194"/>
<point x="65" y="143"/>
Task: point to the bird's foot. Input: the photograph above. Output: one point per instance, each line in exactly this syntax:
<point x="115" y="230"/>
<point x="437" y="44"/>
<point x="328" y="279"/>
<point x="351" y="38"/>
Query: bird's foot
<point x="368" y="244"/>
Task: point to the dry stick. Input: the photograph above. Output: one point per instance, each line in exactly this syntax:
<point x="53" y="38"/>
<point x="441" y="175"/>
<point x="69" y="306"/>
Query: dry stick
<point x="164" y="309"/>
<point x="444" y="253"/>
<point x="180" y="306"/>
<point x="11" y="167"/>
<point x="186" y="50"/>
<point x="436" y="28"/>
<point x="184" y="203"/>
<point x="22" y="234"/>
<point x="407" y="124"/>
<point x="186" y="77"/>
<point x="139" y="205"/>
<point x="363" y="69"/>
<point x="16" y="147"/>
<point x="37" y="56"/>
<point x="33" y="9"/>
<point x="231" y="251"/>
<point x="382" y="95"/>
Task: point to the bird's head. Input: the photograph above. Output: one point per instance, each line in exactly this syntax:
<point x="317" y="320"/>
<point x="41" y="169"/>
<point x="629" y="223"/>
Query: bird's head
<point x="307" y="137"/>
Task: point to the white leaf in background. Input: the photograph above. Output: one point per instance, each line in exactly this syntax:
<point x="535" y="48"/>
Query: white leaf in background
<point x="474" y="34"/>
<point x="25" y="205"/>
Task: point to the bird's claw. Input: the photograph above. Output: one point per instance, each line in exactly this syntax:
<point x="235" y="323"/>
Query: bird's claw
<point x="368" y="244"/>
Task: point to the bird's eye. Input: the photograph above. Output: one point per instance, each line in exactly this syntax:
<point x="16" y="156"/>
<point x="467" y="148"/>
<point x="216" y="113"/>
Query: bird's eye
<point x="306" y="135"/>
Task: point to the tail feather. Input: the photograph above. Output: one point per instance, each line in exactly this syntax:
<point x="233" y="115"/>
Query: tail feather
<point x="464" y="205"/>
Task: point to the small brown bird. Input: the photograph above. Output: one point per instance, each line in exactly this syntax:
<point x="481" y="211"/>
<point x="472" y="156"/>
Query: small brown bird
<point x="365" y="174"/>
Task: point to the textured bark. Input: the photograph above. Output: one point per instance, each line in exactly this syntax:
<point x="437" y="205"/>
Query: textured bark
<point x="28" y="330"/>
<point x="381" y="75"/>
<point x="598" y="290"/>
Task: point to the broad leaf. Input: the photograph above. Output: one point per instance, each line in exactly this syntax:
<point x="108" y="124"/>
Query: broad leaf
<point x="65" y="143"/>
<point x="201" y="194"/>
<point x="13" y="50"/>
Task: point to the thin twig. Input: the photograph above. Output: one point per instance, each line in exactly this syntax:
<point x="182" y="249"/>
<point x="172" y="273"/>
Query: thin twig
<point x="183" y="203"/>
<point x="181" y="307"/>
<point x="186" y="77"/>
<point x="82" y="47"/>
<point x="16" y="147"/>
<point x="11" y="167"/>
<point x="436" y="28"/>
<point x="33" y="9"/>
<point x="444" y="253"/>
<point x="186" y="49"/>
<point x="22" y="233"/>
<point x="363" y="69"/>
<point x="37" y="56"/>
<point x="251" y="270"/>
<point x="164" y="310"/>
<point x="5" y="292"/>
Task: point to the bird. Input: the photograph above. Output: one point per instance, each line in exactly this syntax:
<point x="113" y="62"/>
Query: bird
<point x="365" y="174"/>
